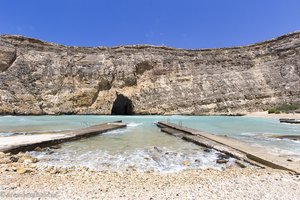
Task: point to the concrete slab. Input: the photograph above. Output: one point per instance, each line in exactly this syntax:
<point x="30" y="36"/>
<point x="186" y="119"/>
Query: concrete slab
<point x="17" y="143"/>
<point x="259" y="155"/>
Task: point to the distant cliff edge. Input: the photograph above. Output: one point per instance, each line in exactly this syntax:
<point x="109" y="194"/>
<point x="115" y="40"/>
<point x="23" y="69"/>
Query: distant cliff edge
<point x="37" y="77"/>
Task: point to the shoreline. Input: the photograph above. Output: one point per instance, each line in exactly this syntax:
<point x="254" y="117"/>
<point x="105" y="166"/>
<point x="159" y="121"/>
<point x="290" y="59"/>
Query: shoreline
<point x="27" y="180"/>
<point x="273" y="116"/>
<point x="231" y="183"/>
<point x="263" y="114"/>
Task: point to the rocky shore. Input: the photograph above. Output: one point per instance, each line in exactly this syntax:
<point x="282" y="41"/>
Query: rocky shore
<point x="19" y="178"/>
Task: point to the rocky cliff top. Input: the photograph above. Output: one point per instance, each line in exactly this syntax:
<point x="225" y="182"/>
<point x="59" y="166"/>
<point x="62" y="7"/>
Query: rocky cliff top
<point x="20" y="40"/>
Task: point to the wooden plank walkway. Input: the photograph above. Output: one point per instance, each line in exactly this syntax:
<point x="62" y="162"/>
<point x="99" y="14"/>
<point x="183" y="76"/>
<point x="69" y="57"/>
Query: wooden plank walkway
<point x="231" y="146"/>
<point x="15" y="144"/>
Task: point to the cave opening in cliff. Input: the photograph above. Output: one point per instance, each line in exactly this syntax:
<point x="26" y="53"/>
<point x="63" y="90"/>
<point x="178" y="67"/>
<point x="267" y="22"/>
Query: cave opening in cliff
<point x="122" y="106"/>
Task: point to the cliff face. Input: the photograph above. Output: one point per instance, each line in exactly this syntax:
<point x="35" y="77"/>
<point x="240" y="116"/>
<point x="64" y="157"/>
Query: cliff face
<point x="44" y="78"/>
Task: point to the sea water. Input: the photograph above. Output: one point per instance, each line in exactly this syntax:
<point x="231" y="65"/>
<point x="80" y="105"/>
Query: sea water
<point x="143" y="147"/>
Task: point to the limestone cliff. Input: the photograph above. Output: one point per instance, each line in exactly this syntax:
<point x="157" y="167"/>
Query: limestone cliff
<point x="37" y="77"/>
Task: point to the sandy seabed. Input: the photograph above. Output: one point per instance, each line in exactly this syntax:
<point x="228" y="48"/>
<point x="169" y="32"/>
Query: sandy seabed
<point x="232" y="183"/>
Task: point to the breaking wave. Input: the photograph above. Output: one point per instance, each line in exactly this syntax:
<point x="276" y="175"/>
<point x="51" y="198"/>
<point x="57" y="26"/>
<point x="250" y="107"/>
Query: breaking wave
<point x="151" y="159"/>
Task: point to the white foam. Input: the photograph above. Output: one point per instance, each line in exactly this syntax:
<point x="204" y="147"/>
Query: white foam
<point x="7" y="133"/>
<point x="153" y="159"/>
<point x="4" y="116"/>
<point x="249" y="134"/>
<point x="130" y="125"/>
<point x="133" y="124"/>
<point x="117" y="131"/>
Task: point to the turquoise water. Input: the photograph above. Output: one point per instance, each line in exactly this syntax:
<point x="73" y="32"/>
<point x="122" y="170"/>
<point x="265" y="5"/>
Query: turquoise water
<point x="213" y="124"/>
<point x="249" y="129"/>
<point x="143" y="146"/>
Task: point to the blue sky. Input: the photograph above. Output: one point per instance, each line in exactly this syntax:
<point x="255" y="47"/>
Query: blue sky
<point x="175" y="23"/>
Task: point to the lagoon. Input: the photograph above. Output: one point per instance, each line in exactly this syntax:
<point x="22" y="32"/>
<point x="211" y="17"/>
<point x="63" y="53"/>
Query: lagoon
<point x="141" y="146"/>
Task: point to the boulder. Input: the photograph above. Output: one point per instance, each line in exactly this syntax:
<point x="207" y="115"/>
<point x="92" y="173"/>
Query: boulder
<point x="14" y="158"/>
<point x="221" y="161"/>
<point x="2" y="155"/>
<point x="38" y="149"/>
<point x="53" y="171"/>
<point x="27" y="160"/>
<point x="22" y="170"/>
<point x="5" y="160"/>
<point x="186" y="163"/>
<point x="240" y="164"/>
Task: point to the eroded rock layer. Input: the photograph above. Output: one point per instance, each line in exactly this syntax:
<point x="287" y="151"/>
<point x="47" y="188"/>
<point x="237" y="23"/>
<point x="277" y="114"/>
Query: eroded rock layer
<point x="37" y="77"/>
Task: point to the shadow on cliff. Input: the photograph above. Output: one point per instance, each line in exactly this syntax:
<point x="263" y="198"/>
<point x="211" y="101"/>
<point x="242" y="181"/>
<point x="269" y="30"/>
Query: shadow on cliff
<point x="122" y="106"/>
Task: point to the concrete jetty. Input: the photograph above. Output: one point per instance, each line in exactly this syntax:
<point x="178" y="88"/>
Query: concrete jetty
<point x="17" y="143"/>
<point x="287" y="137"/>
<point x="233" y="147"/>
<point x="290" y="121"/>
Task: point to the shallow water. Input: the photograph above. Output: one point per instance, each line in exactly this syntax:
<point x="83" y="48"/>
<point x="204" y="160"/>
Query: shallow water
<point x="141" y="146"/>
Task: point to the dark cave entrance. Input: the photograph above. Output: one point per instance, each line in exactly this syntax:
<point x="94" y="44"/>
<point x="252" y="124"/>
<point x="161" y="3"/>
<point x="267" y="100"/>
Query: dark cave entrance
<point x="122" y="106"/>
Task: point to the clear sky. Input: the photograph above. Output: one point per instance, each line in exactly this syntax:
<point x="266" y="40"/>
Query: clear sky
<point x="175" y="23"/>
